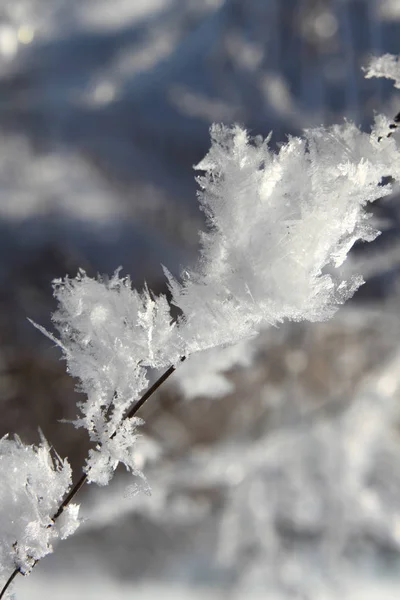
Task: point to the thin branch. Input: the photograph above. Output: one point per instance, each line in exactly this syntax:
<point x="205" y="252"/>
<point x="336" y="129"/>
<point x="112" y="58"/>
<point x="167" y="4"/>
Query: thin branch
<point x="131" y="412"/>
<point x="83" y="479"/>
<point x="9" y="582"/>
<point x="69" y="497"/>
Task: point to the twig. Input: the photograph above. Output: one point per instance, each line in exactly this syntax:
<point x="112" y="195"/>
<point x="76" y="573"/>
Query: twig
<point x="9" y="582"/>
<point x="393" y="126"/>
<point x="132" y="411"/>
<point x="83" y="479"/>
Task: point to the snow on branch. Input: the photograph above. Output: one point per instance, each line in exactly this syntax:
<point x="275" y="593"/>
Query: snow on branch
<point x="387" y="66"/>
<point x="111" y="336"/>
<point x="33" y="483"/>
<point x="280" y="226"/>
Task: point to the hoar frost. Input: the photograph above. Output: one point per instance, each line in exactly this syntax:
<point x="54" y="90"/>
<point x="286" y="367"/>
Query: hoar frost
<point x="280" y="226"/>
<point x="387" y="66"/>
<point x="111" y="336"/>
<point x="33" y="484"/>
<point x="277" y="223"/>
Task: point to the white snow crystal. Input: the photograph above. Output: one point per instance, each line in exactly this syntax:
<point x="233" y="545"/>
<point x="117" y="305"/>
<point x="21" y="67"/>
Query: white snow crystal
<point x="33" y="484"/>
<point x="280" y="225"/>
<point x="387" y="66"/>
<point x="204" y="373"/>
<point x="111" y="335"/>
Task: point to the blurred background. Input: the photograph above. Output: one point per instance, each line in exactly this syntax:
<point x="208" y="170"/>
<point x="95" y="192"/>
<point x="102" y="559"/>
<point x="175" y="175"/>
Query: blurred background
<point x="275" y="465"/>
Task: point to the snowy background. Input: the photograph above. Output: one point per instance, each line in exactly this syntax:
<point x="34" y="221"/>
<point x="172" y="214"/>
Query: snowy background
<point x="280" y="479"/>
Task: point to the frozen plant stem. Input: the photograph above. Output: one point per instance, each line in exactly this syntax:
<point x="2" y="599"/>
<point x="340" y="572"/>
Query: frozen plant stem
<point x="9" y="582"/>
<point x="279" y="227"/>
<point x="131" y="413"/>
<point x="83" y="479"/>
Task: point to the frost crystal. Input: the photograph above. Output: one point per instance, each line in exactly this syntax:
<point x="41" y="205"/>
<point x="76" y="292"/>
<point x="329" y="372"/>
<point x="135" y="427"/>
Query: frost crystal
<point x="387" y="66"/>
<point x="33" y="483"/>
<point x="279" y="227"/>
<point x="111" y="336"/>
<point x="104" y="460"/>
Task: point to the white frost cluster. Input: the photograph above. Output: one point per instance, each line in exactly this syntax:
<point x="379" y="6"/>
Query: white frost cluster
<point x="387" y="66"/>
<point x="33" y="484"/>
<point x="280" y="226"/>
<point x="111" y="335"/>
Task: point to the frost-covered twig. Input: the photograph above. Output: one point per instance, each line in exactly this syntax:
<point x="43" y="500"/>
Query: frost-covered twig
<point x="33" y="483"/>
<point x="387" y="66"/>
<point x="84" y="477"/>
<point x="131" y="413"/>
<point x="280" y="225"/>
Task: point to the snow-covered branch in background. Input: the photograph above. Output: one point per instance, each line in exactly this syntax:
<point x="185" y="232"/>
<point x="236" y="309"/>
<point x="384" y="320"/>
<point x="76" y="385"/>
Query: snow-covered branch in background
<point x="280" y="226"/>
<point x="203" y="373"/>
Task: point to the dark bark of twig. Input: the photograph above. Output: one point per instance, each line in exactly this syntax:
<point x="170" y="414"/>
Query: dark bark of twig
<point x="393" y="126"/>
<point x="9" y="582"/>
<point x="83" y="479"/>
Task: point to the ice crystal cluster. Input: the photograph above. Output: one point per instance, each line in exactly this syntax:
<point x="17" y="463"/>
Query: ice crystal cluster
<point x="33" y="484"/>
<point x="111" y="335"/>
<point x="387" y="66"/>
<point x="280" y="224"/>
